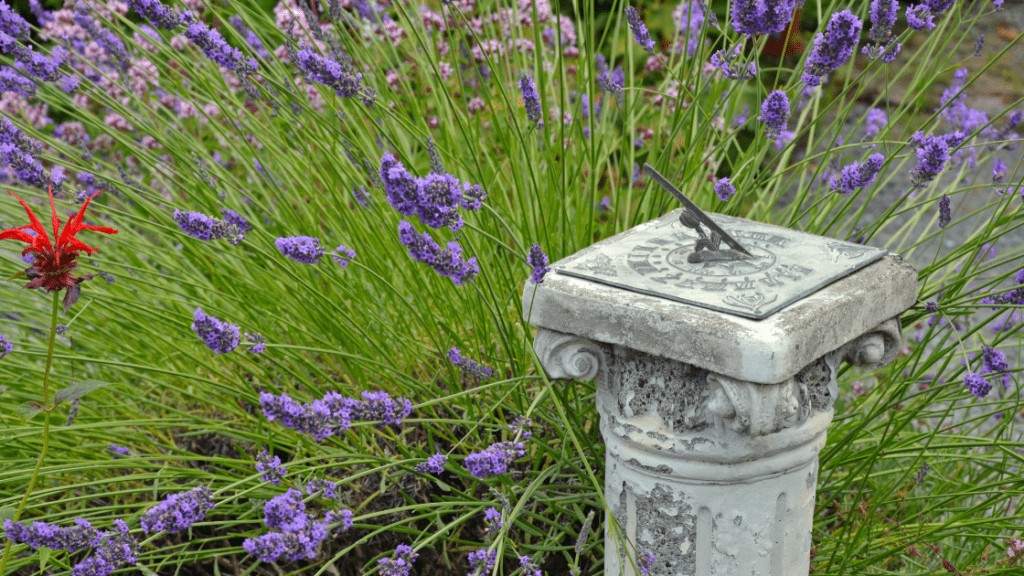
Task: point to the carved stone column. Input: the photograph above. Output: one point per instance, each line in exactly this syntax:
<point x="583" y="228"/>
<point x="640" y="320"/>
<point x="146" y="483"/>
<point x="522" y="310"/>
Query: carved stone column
<point x="713" y="475"/>
<point x="713" y="422"/>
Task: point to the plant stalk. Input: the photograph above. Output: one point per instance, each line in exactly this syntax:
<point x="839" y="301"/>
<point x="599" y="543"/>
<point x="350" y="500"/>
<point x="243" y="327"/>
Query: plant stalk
<point x="46" y="422"/>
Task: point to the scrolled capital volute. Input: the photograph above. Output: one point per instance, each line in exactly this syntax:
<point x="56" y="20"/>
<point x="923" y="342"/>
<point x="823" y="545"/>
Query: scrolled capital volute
<point x="568" y="357"/>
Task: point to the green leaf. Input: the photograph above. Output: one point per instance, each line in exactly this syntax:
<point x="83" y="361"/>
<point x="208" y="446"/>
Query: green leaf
<point x="77" y="390"/>
<point x="16" y="275"/>
<point x="30" y="409"/>
<point x="7" y="512"/>
<point x="44" y="557"/>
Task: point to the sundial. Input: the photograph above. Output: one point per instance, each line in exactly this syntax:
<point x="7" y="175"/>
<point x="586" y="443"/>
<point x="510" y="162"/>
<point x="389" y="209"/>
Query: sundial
<point x="732" y="265"/>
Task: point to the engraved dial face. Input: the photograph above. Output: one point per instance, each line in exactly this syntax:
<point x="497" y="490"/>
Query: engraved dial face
<point x="657" y="259"/>
<point x="749" y="283"/>
<point x="677" y="258"/>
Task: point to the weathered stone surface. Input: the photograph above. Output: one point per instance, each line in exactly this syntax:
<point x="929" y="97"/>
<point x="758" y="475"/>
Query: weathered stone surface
<point x="669" y="259"/>
<point x="712" y="474"/>
<point x="767" y="351"/>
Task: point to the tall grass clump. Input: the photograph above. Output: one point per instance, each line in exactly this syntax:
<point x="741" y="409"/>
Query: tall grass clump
<point x="303" y="351"/>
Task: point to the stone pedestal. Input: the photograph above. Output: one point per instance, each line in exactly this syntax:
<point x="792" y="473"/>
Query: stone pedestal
<point x="713" y="422"/>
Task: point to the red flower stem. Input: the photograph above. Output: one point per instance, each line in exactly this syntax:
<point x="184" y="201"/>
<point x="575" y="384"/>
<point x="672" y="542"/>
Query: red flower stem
<point x="46" y="423"/>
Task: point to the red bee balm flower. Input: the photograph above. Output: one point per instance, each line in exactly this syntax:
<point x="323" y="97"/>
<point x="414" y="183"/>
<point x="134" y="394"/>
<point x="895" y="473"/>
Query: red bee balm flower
<point x="56" y="257"/>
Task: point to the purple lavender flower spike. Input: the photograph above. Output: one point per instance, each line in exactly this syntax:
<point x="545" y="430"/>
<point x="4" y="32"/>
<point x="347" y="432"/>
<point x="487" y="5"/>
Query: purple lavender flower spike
<point x="757" y="17"/>
<point x="530" y="99"/>
<point x="730" y="64"/>
<point x="977" y="385"/>
<point x="266" y="548"/>
<point x="106" y="39"/>
<point x="362" y="196"/>
<point x="447" y="262"/>
<point x="607" y="83"/>
<point x="883" y="18"/>
<point x="939" y="6"/>
<point x="316" y="419"/>
<point x="530" y="568"/>
<point x="399" y="564"/>
<point x="833" y="48"/>
<point x="179" y="511"/>
<point x="932" y="155"/>
<point x="11" y="23"/>
<point x="775" y="113"/>
<point x="471" y="367"/>
<point x="202" y="227"/>
<point x="473" y="196"/>
<point x="691" y="17"/>
<point x="439" y="201"/>
<point x="157" y="14"/>
<point x="69" y="84"/>
<point x="213" y="45"/>
<point x="5" y="346"/>
<point x="379" y="406"/>
<point x="724" y="189"/>
<point x="401" y="188"/>
<point x="433" y="465"/>
<point x="539" y="260"/>
<point x="285" y="512"/>
<point x="994" y="360"/>
<point x="291" y="545"/>
<point x="333" y="74"/>
<point x="195" y="224"/>
<point x="219" y="336"/>
<point x="81" y="535"/>
<point x="250" y="37"/>
<point x="874" y="122"/>
<point x="43" y="67"/>
<point x="326" y="488"/>
<point x="343" y="255"/>
<point x="12" y="81"/>
<point x="346" y="518"/>
<point x="42" y="15"/>
<point x="945" y="215"/>
<point x="955" y="111"/>
<point x="639" y="29"/>
<point x="857" y="174"/>
<point x="494" y="459"/>
<point x="270" y="467"/>
<point x="235" y="219"/>
<point x="646" y="562"/>
<point x="998" y="170"/>
<point x="304" y="249"/>
<point x="920" y="17"/>
<point x="17" y="151"/>
<point x="113" y="551"/>
<point x="118" y="450"/>
<point x="492" y="517"/>
<point x="482" y="561"/>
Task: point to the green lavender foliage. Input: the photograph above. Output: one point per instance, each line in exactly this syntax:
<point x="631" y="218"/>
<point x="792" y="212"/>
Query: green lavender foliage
<point x="385" y="322"/>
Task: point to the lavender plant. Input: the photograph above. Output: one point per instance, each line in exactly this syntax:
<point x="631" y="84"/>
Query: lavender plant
<point x="385" y="412"/>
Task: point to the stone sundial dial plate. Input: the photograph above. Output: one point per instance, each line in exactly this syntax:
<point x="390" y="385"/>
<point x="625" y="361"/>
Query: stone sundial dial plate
<point x="787" y="265"/>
